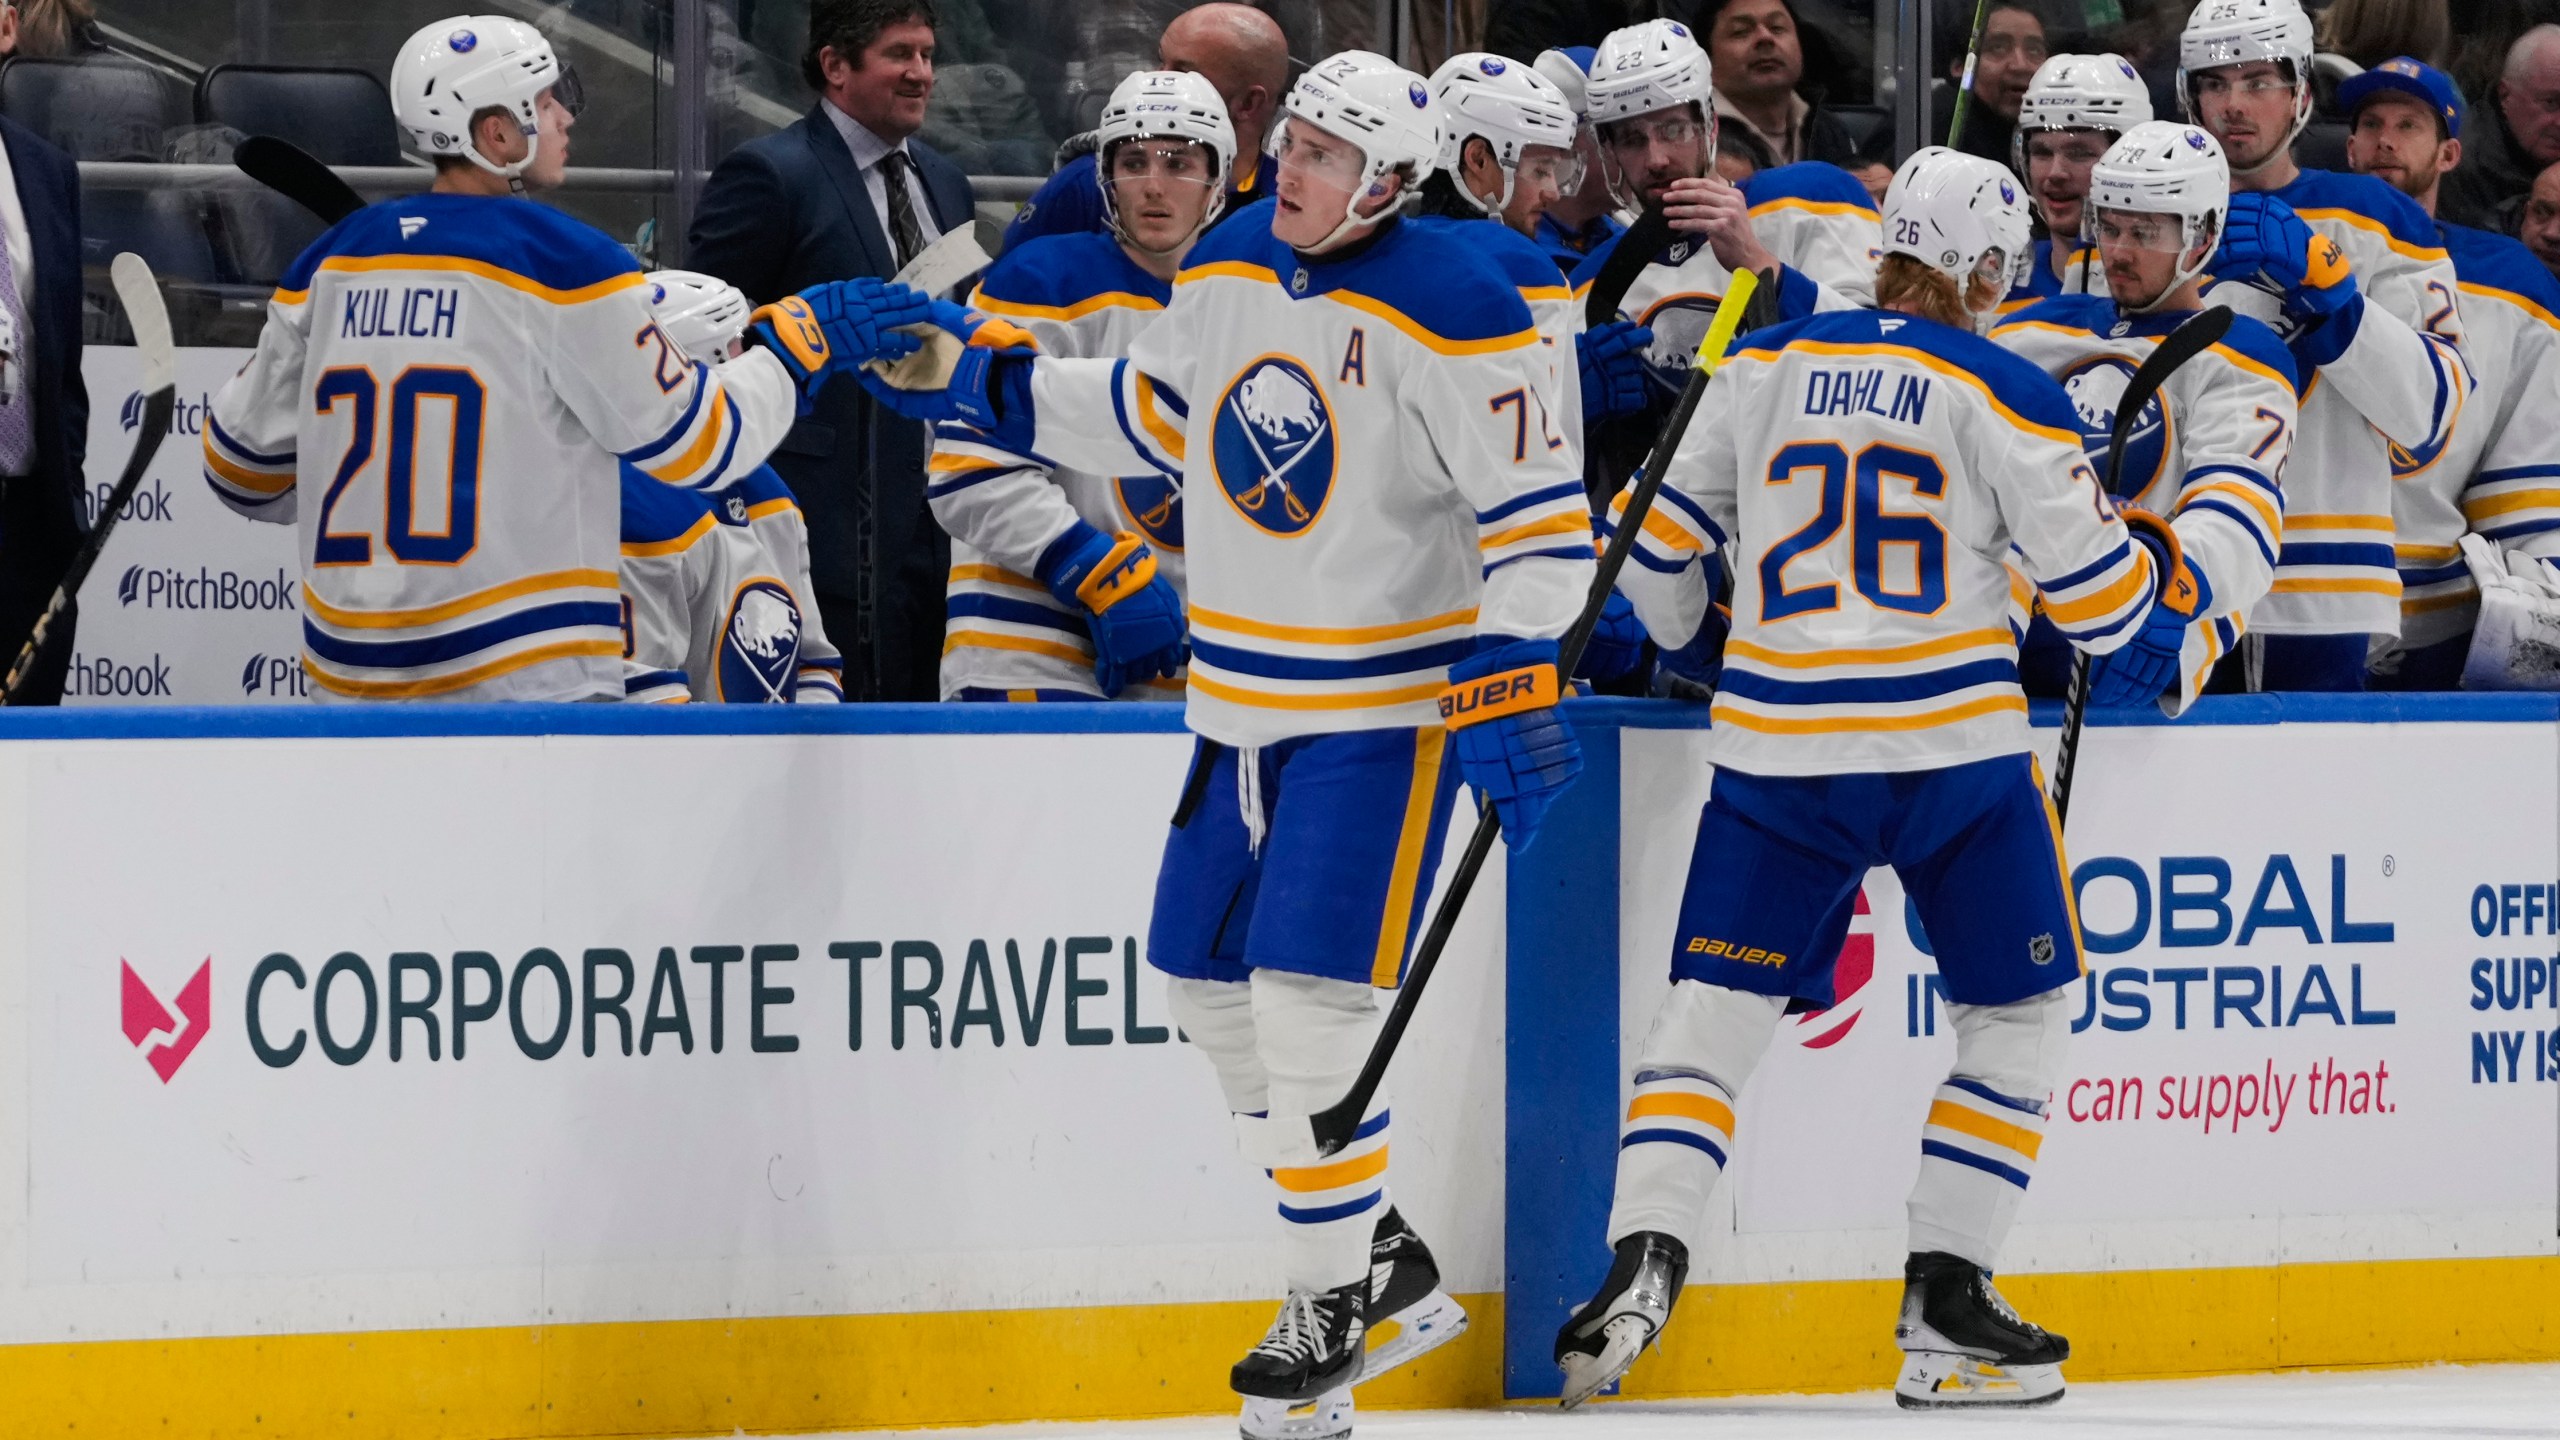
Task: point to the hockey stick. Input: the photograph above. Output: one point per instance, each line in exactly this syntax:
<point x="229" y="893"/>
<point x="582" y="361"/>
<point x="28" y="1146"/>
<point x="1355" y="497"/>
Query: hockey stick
<point x="1636" y="248"/>
<point x="2180" y="346"/>
<point x="1964" y="88"/>
<point x="149" y="315"/>
<point x="1333" y="1126"/>
<point x="290" y="171"/>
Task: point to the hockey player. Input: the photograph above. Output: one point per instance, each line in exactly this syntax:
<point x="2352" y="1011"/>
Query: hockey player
<point x="2075" y="107"/>
<point x="2210" y="451"/>
<point x="1387" y="547"/>
<point x="1015" y="632"/>
<point x="1870" y="474"/>
<point x="1580" y="220"/>
<point x="2499" y="473"/>
<point x="2353" y="275"/>
<point x="458" y="375"/>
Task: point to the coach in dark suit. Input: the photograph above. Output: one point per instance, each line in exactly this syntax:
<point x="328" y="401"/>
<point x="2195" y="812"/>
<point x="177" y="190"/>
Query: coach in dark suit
<point x="44" y="406"/>
<point x="844" y="192"/>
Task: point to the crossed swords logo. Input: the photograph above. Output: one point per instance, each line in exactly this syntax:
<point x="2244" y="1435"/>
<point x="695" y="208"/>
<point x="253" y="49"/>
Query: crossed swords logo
<point x="1275" y="476"/>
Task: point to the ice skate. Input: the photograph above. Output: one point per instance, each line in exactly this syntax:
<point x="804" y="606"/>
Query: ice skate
<point x="1327" y="1417"/>
<point x="1605" y="1336"/>
<point x="1314" y="1345"/>
<point x="1963" y="1346"/>
<point x="1406" y="1302"/>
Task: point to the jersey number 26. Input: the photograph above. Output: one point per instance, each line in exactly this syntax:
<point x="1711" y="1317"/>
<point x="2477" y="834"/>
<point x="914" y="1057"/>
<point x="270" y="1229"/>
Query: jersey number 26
<point x="1871" y="528"/>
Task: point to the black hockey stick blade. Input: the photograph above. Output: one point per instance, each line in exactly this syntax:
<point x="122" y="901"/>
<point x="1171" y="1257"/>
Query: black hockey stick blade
<point x="2199" y="334"/>
<point x="1334" y="1125"/>
<point x="139" y="291"/>
<point x="291" y="171"/>
<point x="1635" y="250"/>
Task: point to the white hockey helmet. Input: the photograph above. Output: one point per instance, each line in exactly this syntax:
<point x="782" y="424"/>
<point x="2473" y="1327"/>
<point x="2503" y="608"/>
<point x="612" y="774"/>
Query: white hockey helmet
<point x="701" y="313"/>
<point x="2236" y="32"/>
<point x="1569" y="70"/>
<point x="1960" y="215"/>
<point x="1511" y="105"/>
<point x="1167" y="105"/>
<point x="454" y="69"/>
<point x="1378" y="105"/>
<point x="2164" y="168"/>
<point x="2085" y="92"/>
<point x="1653" y="66"/>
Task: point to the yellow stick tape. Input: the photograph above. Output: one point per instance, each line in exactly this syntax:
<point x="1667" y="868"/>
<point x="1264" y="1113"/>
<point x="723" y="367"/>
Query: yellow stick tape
<point x="1728" y="319"/>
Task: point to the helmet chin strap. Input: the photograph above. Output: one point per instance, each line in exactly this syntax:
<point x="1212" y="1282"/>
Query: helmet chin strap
<point x="2177" y="282"/>
<point x="513" y="174"/>
<point x="1209" y="216"/>
<point x="1352" y="219"/>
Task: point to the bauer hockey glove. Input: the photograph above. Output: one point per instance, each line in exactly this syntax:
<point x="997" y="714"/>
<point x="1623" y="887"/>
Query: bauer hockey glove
<point x="1611" y="360"/>
<point x="2142" y="669"/>
<point x="2267" y="245"/>
<point x="836" y="326"/>
<point x="1136" y="619"/>
<point x="1514" y="744"/>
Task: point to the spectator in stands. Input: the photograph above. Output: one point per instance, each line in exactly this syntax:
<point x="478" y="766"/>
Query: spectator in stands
<point x="1526" y="29"/>
<point x="49" y="29"/>
<point x="847" y="191"/>
<point x="1239" y="50"/>
<point x="2519" y="136"/>
<point x="1757" y="51"/>
<point x="2013" y="45"/>
<point x="44" y="406"/>
<point x="2372" y="31"/>
<point x="2539" y="224"/>
<point x="1874" y="170"/>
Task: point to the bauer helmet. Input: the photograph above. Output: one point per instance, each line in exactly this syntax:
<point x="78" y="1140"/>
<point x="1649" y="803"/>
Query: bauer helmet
<point x="2236" y="32"/>
<point x="454" y="69"/>
<point x="1653" y="66"/>
<point x="1167" y="105"/>
<point x="701" y="313"/>
<point x="2164" y="168"/>
<point x="1374" y="103"/>
<point x="1512" y="107"/>
<point x="1960" y="215"/>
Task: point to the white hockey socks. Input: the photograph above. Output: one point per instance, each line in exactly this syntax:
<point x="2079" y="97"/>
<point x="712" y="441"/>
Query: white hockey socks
<point x="1312" y="1035"/>
<point x="1705" y="1042"/>
<point x="1978" y="1150"/>
<point x="1217" y="1017"/>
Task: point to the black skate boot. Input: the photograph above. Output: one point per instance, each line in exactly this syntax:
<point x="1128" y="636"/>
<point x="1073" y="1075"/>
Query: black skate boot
<point x="1297" y="1382"/>
<point x="1963" y="1346"/>
<point x="1406" y="1303"/>
<point x="1604" y="1337"/>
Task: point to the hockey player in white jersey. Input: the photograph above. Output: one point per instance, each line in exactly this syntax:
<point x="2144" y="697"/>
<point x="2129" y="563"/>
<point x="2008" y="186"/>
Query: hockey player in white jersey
<point x="1870" y="475"/>
<point x="2209" y="452"/>
<point x="2355" y="278"/>
<point x="456" y="379"/>
<point x="2499" y="472"/>
<point x="1384" y="542"/>
<point x="2074" y="108"/>
<point x="1165" y="152"/>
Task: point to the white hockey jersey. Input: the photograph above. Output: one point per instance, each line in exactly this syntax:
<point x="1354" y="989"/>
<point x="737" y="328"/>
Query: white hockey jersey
<point x="703" y="617"/>
<point x="1870" y="475"/>
<point x="763" y="502"/>
<point x="2402" y="379"/>
<point x="1553" y="309"/>
<point x="2058" y="270"/>
<point x="452" y="379"/>
<point x="2209" y="452"/>
<point x="2499" y="471"/>
<point x="1378" y="465"/>
<point x="1080" y="296"/>
<point x="1816" y="218"/>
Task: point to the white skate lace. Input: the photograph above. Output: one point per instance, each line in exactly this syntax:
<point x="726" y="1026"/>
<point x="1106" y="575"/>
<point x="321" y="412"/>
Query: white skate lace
<point x="1999" y="1304"/>
<point x="1299" y="1331"/>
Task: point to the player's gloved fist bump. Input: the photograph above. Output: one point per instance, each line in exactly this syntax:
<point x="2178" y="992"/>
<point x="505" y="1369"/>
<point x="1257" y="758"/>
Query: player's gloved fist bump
<point x="990" y="389"/>
<point x="1514" y="744"/>
<point x="1136" y="620"/>
<point x="1610" y="357"/>
<point x="2266" y="243"/>
<point x="838" y="325"/>
<point x="2141" y="670"/>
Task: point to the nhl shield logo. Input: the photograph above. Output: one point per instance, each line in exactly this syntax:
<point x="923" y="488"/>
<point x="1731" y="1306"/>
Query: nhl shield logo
<point x="759" y="644"/>
<point x="1274" y="446"/>
<point x="2094" y="387"/>
<point x="2041" y="950"/>
<point x="1153" y="504"/>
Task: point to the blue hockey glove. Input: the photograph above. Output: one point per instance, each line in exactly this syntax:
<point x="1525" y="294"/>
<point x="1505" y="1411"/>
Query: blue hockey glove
<point x="1610" y="358"/>
<point x="1514" y="744"/>
<point x="2141" y="670"/>
<point x="838" y="325"/>
<point x="987" y="388"/>
<point x="1616" y="647"/>
<point x="2265" y="244"/>
<point x="1136" y="619"/>
<point x="1694" y="670"/>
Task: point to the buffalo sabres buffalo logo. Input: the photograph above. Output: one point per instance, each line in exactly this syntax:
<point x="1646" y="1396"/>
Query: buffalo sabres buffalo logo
<point x="2095" y="386"/>
<point x="759" y="644"/>
<point x="1275" y="445"/>
<point x="1678" y="324"/>
<point x="1153" y="504"/>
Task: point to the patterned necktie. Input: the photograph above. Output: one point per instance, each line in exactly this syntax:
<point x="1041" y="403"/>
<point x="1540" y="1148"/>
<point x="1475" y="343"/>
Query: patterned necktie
<point x="903" y="232"/>
<point x="17" y="395"/>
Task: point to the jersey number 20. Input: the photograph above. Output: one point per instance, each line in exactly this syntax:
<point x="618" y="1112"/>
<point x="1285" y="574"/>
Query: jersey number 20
<point x="460" y="395"/>
<point x="1871" y="528"/>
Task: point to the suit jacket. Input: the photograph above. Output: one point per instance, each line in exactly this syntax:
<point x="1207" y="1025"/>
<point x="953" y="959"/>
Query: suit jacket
<point x="42" y="521"/>
<point x="779" y="215"/>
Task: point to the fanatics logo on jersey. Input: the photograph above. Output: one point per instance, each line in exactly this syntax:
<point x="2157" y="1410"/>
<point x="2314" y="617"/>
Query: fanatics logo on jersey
<point x="412" y="224"/>
<point x="1153" y="504"/>
<point x="760" y="644"/>
<point x="1274" y="446"/>
<point x="145" y="1016"/>
<point x="2095" y="386"/>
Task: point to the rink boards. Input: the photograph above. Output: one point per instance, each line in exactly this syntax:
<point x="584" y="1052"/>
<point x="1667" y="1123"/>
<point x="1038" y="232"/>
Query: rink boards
<point x="592" y="1071"/>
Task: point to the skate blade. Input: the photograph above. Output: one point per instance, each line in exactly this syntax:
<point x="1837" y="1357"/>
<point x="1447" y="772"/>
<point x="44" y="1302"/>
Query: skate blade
<point x="1936" y="1381"/>
<point x="1413" y="1332"/>
<point x="1588" y="1375"/>
<point x="1327" y="1417"/>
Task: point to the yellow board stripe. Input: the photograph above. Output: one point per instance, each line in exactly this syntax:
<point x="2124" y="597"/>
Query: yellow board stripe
<point x="1948" y="1115"/>
<point x="1682" y="1105"/>
<point x="1726" y="714"/>
<point x="460" y="679"/>
<point x="1889" y="655"/>
<point x="1312" y="1178"/>
<point x="478" y="600"/>
<point x="1405" y="880"/>
<point x="1331" y="635"/>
